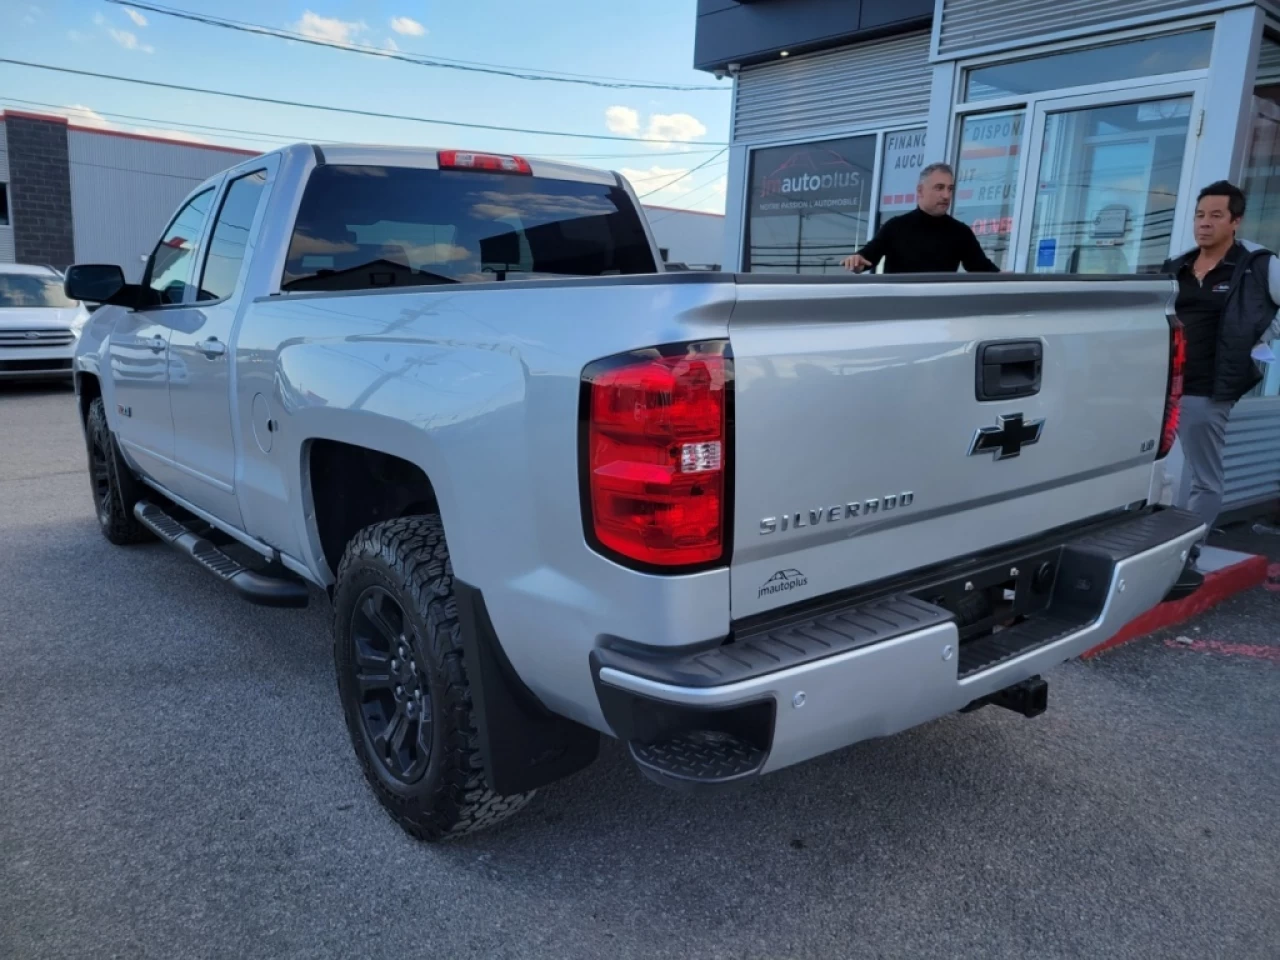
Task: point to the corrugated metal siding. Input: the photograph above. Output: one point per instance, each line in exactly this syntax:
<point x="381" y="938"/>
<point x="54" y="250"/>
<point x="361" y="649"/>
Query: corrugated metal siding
<point x="1269" y="61"/>
<point x="868" y="83"/>
<point x="7" y="253"/>
<point x="992" y="24"/>
<point x="123" y="192"/>
<point x="1251" y="459"/>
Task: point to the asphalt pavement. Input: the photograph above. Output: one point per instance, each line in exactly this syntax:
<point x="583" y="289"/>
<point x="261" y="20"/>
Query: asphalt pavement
<point x="176" y="782"/>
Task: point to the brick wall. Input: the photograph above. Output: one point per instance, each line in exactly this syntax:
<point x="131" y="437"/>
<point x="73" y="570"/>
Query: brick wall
<point x="40" y="191"/>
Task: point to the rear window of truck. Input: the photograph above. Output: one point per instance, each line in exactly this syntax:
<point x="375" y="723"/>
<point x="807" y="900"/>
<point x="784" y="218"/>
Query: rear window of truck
<point x="370" y="227"/>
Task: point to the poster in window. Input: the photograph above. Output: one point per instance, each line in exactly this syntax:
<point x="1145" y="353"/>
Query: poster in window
<point x="904" y="159"/>
<point x="833" y="176"/>
<point x="987" y="179"/>
<point x="810" y="205"/>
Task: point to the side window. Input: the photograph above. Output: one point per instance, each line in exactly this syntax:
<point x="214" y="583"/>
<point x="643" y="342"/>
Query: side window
<point x="173" y="261"/>
<point x="230" y="236"/>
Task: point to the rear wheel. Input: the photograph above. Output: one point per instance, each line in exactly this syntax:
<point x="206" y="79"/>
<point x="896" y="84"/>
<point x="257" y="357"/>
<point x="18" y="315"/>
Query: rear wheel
<point x="403" y="683"/>
<point x="115" y="489"/>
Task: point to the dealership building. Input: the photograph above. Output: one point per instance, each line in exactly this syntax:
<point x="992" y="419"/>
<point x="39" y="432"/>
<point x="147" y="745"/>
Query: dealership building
<point x="1080" y="133"/>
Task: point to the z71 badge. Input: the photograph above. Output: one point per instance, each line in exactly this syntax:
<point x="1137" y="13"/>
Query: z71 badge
<point x="859" y="509"/>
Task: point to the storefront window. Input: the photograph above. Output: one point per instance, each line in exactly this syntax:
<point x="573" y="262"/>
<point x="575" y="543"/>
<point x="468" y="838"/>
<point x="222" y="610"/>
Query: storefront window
<point x="904" y="158"/>
<point x="1261" y="178"/>
<point x="987" y="179"/>
<point x="1108" y="186"/>
<point x="810" y="205"/>
<point x="1172" y="53"/>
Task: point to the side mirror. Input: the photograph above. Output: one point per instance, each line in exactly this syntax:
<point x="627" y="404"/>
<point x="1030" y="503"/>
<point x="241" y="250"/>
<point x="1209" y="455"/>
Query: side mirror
<point x="97" y="282"/>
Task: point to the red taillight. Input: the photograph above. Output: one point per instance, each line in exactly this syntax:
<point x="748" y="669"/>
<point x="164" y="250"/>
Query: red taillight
<point x="1173" y="392"/>
<point x="492" y="162"/>
<point x="656" y="449"/>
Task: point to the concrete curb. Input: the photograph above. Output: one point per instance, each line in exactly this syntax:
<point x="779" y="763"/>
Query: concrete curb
<point x="1218" y="586"/>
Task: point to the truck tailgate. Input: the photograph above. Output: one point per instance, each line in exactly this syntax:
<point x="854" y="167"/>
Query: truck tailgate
<point x="862" y="449"/>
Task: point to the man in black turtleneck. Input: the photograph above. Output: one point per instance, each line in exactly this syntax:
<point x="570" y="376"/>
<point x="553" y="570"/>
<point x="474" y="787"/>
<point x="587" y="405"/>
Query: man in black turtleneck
<point x="928" y="239"/>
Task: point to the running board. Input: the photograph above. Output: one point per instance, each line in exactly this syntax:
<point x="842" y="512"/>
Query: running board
<point x="264" y="589"/>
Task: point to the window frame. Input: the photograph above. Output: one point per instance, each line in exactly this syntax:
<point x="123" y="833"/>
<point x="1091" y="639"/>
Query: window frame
<point x="210" y="187"/>
<point x="268" y="171"/>
<point x="962" y="109"/>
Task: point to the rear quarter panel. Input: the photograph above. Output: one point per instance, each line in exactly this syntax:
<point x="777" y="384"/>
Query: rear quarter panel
<point x="479" y="386"/>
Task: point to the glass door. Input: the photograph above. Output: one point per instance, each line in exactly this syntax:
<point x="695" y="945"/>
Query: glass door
<point x="1108" y="181"/>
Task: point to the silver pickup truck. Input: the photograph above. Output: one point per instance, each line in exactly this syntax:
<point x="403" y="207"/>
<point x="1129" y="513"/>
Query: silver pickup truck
<point x="553" y="492"/>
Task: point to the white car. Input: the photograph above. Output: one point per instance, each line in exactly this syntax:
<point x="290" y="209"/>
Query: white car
<point x="39" y="324"/>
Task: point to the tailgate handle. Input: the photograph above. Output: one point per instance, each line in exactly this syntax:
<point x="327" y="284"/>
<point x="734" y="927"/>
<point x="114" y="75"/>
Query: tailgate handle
<point x="1009" y="369"/>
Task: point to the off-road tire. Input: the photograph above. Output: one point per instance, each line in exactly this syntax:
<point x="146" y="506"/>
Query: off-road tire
<point x="409" y="559"/>
<point x="114" y="488"/>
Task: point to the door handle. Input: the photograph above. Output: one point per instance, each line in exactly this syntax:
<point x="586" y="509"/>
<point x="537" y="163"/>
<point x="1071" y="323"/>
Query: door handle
<point x="211" y="348"/>
<point x="1009" y="369"/>
<point x="156" y="343"/>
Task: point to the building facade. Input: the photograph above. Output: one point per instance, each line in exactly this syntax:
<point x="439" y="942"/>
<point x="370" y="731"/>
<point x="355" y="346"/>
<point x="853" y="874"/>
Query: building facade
<point x="1080" y="132"/>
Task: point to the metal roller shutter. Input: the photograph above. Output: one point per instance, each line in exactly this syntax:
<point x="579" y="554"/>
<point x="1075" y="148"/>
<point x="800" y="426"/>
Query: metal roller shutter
<point x="1251" y="459"/>
<point x="869" y="83"/>
<point x="970" y="25"/>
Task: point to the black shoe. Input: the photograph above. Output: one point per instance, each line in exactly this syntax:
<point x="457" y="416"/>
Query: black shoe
<point x="1189" y="581"/>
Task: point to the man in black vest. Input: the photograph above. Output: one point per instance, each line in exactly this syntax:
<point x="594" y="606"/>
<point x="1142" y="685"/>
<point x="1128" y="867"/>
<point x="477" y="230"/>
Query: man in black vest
<point x="1227" y="300"/>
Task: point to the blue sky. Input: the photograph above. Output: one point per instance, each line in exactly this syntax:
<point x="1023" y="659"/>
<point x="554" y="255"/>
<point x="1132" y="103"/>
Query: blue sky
<point x="674" y="130"/>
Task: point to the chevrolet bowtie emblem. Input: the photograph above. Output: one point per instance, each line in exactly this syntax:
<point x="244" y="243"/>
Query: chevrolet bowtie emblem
<point x="1007" y="439"/>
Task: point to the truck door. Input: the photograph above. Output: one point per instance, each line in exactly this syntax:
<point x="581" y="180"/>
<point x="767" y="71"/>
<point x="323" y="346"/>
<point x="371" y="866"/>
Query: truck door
<point x="139" y="346"/>
<point x="204" y="444"/>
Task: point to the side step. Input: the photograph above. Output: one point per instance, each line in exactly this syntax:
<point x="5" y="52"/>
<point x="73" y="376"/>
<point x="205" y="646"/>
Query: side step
<point x="698" y="760"/>
<point x="264" y="589"/>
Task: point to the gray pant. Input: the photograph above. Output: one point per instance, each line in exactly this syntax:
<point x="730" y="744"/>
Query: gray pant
<point x="1202" y="432"/>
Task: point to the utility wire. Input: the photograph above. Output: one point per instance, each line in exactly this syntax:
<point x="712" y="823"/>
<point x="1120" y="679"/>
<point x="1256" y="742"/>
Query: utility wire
<point x="688" y="199"/>
<point x="179" y="125"/>
<point x="354" y="111"/>
<point x="518" y="73"/>
<point x="688" y="172"/>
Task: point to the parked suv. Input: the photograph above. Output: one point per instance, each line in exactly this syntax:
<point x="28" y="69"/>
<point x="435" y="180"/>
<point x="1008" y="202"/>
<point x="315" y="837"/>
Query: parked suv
<point x="39" y="324"/>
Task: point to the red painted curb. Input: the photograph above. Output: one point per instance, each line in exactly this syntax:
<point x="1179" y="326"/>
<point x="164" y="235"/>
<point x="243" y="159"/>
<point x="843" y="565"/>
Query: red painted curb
<point x="1218" y="586"/>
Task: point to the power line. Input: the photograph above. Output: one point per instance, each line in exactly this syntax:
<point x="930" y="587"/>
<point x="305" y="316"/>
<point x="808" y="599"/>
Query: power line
<point x="688" y="198"/>
<point x="518" y="73"/>
<point x="692" y="170"/>
<point x="354" y="111"/>
<point x="159" y="124"/>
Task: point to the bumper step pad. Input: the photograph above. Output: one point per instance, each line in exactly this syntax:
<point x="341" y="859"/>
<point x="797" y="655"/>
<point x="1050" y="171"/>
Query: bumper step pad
<point x="268" y="588"/>
<point x="698" y="760"/>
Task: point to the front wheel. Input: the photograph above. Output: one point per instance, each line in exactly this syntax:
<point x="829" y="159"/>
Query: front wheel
<point x="403" y="683"/>
<point x="115" y="489"/>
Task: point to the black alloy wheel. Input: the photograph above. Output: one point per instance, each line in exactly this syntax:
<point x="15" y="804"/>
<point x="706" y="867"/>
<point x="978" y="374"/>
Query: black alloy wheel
<point x="396" y="707"/>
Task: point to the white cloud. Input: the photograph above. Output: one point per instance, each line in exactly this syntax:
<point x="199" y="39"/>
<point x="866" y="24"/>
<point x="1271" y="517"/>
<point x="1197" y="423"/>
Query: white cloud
<point x="663" y="130"/>
<point x="390" y="44"/>
<point x="137" y="18"/>
<point x="99" y="19"/>
<point x="407" y="27"/>
<point x="622" y="120"/>
<point x="668" y="129"/>
<point x="657" y="178"/>
<point x="129" y="40"/>
<point x="330" y="29"/>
